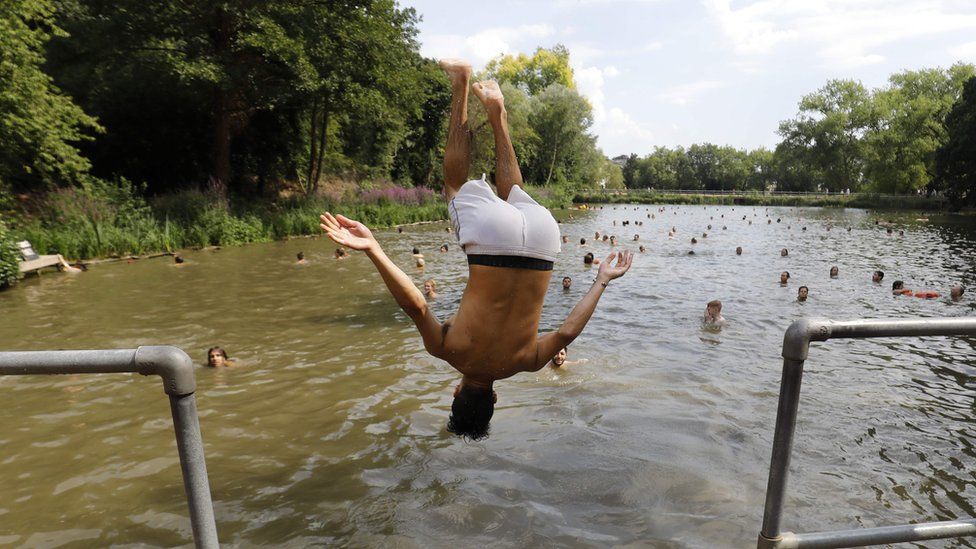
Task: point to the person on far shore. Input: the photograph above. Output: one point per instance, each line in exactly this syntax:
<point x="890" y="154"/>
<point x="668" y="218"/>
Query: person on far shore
<point x="567" y="283"/>
<point x="877" y="276"/>
<point x="430" y="289"/>
<point x="784" y="278"/>
<point x="738" y="250"/>
<point x="217" y="357"/>
<point x="340" y="253"/>
<point x="834" y="271"/>
<point x="784" y="252"/>
<point x="802" y="293"/>
<point x="301" y="258"/>
<point x="955" y="293"/>
<point x="713" y="313"/>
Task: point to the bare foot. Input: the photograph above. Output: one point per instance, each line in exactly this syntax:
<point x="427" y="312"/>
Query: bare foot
<point x="488" y="92"/>
<point x="458" y="70"/>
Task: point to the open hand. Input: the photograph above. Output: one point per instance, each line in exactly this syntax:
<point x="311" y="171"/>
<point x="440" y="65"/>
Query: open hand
<point x="346" y="232"/>
<point x="608" y="271"/>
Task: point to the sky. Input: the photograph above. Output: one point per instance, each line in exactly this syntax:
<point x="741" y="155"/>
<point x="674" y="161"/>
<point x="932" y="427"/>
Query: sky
<point x="677" y="72"/>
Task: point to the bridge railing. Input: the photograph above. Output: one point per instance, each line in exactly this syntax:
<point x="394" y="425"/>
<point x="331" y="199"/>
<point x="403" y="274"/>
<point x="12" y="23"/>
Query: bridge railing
<point x="796" y="346"/>
<point x="179" y="382"/>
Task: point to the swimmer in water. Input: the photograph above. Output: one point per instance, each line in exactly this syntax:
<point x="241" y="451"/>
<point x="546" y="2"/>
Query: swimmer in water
<point x="898" y="288"/>
<point x="802" y="293"/>
<point x="784" y="278"/>
<point x="559" y="361"/>
<point x="955" y="293"/>
<point x="784" y="252"/>
<point x="582" y="242"/>
<point x="495" y="332"/>
<point x="877" y="276"/>
<point x="217" y="357"/>
<point x="713" y="313"/>
<point x="430" y="289"/>
<point x="567" y="283"/>
<point x="418" y="258"/>
<point x="565" y="239"/>
<point x="444" y="248"/>
<point x="178" y="260"/>
<point x="641" y="248"/>
<point x="301" y="258"/>
<point x="834" y="271"/>
<point x="340" y="253"/>
<point x="738" y="250"/>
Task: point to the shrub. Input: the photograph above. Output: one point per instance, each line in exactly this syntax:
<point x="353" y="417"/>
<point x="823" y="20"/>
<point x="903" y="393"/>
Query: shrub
<point x="9" y="258"/>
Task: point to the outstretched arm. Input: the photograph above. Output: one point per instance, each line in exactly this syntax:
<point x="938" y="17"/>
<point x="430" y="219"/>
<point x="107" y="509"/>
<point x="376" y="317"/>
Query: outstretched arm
<point x="550" y="344"/>
<point x="357" y="236"/>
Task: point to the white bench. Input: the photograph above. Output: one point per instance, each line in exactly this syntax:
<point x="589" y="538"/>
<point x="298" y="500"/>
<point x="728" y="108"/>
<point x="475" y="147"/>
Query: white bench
<point x="33" y="262"/>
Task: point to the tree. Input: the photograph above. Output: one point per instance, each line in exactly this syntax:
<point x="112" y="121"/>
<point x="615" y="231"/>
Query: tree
<point x="534" y="74"/>
<point x="955" y="161"/>
<point x="40" y="126"/>
<point x="900" y="150"/>
<point x="826" y="135"/>
<point x="562" y="121"/>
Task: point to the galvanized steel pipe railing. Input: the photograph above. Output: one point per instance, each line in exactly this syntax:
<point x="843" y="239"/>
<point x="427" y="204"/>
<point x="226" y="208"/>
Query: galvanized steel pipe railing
<point x="796" y="346"/>
<point x="179" y="382"/>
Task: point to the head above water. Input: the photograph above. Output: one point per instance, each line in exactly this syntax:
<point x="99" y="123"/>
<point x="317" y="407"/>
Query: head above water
<point x="178" y="259"/>
<point x="802" y="293"/>
<point x="714" y="307"/>
<point x="642" y="248"/>
<point x="834" y="271"/>
<point x="560" y="357"/>
<point x="567" y="282"/>
<point x="301" y="256"/>
<point x="956" y="292"/>
<point x="784" y="252"/>
<point x="415" y="250"/>
<point x="565" y="239"/>
<point x="784" y="277"/>
<point x="588" y="258"/>
<point x="897" y="285"/>
<point x="430" y="286"/>
<point x="471" y="411"/>
<point x="582" y="242"/>
<point x="444" y="247"/>
<point x="738" y="250"/>
<point x="877" y="276"/>
<point x="216" y="357"/>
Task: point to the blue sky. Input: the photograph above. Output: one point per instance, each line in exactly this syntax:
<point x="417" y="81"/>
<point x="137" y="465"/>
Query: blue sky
<point x="677" y="72"/>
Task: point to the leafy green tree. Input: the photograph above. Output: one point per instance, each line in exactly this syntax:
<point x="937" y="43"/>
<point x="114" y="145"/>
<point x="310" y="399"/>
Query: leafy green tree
<point x="562" y="121"/>
<point x="955" y="162"/>
<point x="536" y="73"/>
<point x="825" y="138"/>
<point x="900" y="150"/>
<point x="40" y="126"/>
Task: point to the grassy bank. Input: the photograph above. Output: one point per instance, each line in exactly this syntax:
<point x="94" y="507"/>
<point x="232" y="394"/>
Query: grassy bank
<point x="870" y="201"/>
<point x="87" y="223"/>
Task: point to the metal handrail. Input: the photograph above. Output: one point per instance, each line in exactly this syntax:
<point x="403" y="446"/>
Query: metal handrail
<point x="796" y="346"/>
<point x="179" y="382"/>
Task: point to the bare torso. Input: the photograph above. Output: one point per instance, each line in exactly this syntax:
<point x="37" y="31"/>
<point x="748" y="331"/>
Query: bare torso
<point x="494" y="332"/>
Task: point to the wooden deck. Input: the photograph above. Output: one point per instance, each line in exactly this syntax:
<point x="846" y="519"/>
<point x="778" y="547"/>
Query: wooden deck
<point x="40" y="263"/>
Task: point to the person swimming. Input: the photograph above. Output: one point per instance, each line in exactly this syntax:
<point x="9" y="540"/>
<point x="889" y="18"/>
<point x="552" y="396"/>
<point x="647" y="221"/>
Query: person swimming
<point x="511" y="243"/>
<point x="340" y="253"/>
<point x="430" y="289"/>
<point x="834" y="271"/>
<point x="582" y="242"/>
<point x="217" y="357"/>
<point x="784" y="278"/>
<point x="301" y="258"/>
<point x="898" y="288"/>
<point x="784" y="252"/>
<point x="567" y="283"/>
<point x="713" y="313"/>
<point x="802" y="293"/>
<point x="444" y="248"/>
<point x="738" y="250"/>
<point x="955" y="293"/>
<point x="877" y="276"/>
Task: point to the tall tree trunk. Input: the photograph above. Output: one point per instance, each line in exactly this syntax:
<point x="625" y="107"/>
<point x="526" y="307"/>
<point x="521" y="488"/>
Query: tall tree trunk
<point x="552" y="165"/>
<point x="220" y="159"/>
<point x="311" y="147"/>
<point x="323" y="136"/>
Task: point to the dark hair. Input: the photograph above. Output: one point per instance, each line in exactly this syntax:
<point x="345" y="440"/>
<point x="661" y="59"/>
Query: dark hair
<point x="565" y="278"/>
<point x="471" y="412"/>
<point x="178" y="259"/>
<point x="219" y="350"/>
<point x="880" y="274"/>
<point x="802" y="288"/>
<point x="415" y="250"/>
<point x="582" y="241"/>
<point x="301" y="256"/>
<point x="897" y="285"/>
<point x="444" y="247"/>
<point x="588" y="258"/>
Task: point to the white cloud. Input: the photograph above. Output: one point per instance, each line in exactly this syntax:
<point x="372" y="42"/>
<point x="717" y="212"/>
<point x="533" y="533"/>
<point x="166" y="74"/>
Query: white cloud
<point x="617" y="131"/>
<point x="844" y="33"/>
<point x="683" y="94"/>
<point x="964" y="52"/>
<point x="485" y="45"/>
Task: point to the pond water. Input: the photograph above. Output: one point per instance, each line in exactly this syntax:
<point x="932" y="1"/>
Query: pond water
<point x="330" y="428"/>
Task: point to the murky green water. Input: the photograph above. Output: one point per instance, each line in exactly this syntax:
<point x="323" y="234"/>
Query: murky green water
<point x="330" y="430"/>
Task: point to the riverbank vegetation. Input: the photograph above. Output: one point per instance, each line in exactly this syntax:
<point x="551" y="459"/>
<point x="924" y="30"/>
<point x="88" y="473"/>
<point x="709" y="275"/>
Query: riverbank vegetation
<point x="913" y="136"/>
<point x="139" y="126"/>
<point x="755" y="198"/>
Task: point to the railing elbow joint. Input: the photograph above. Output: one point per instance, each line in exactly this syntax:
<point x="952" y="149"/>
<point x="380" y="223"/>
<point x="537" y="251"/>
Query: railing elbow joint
<point x="796" y="342"/>
<point x="169" y="363"/>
